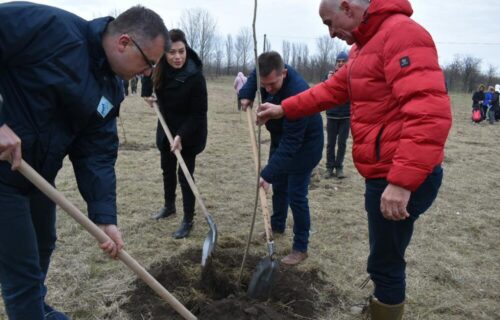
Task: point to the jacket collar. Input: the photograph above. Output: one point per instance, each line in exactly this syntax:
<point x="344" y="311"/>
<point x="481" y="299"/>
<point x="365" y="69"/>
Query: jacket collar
<point x="377" y="12"/>
<point x="96" y="28"/>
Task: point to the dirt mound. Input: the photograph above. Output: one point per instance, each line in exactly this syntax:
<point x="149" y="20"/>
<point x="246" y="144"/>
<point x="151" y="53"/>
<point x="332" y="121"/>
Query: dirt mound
<point x="215" y="294"/>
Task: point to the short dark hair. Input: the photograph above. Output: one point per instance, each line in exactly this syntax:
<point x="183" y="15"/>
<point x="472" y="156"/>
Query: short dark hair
<point x="177" y="35"/>
<point x="270" y="61"/>
<point x="142" y="23"/>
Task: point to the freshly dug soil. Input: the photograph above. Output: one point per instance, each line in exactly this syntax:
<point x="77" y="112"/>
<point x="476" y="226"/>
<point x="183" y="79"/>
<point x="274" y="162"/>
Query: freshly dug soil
<point x="213" y="293"/>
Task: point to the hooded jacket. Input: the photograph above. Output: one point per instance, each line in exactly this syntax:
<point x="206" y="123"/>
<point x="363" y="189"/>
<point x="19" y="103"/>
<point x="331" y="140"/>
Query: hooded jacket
<point x="400" y="110"/>
<point x="61" y="98"/>
<point x="182" y="97"/>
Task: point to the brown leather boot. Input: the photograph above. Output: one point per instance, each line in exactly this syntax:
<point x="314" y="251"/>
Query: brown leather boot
<point x="382" y="311"/>
<point x="294" y="258"/>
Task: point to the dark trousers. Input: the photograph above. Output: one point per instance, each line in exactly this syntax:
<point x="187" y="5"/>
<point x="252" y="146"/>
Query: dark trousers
<point x="291" y="190"/>
<point x="337" y="132"/>
<point x="169" y="167"/>
<point x="27" y="240"/>
<point x="389" y="239"/>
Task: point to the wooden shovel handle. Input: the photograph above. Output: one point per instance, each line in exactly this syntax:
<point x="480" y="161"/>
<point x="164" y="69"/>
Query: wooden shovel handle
<point x="262" y="192"/>
<point x="187" y="174"/>
<point x="27" y="171"/>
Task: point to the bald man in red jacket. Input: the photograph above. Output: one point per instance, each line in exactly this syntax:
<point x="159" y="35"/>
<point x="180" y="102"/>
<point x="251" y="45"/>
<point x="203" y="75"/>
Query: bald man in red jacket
<point x="400" y="119"/>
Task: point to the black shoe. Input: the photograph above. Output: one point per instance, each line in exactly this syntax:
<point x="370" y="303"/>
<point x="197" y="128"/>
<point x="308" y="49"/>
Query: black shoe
<point x="328" y="173"/>
<point x="340" y="173"/>
<point x="164" y="212"/>
<point x="183" y="230"/>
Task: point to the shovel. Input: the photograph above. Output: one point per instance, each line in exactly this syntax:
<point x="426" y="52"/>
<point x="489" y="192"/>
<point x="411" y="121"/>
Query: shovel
<point x="29" y="173"/>
<point x="211" y="239"/>
<point x="266" y="272"/>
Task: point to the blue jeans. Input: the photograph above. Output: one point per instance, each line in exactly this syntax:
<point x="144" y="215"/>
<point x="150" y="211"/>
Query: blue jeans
<point x="292" y="190"/>
<point x="389" y="239"/>
<point x="27" y="239"/>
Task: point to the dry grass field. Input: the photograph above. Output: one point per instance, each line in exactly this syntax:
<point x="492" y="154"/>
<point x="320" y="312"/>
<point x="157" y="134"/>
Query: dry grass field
<point x="453" y="261"/>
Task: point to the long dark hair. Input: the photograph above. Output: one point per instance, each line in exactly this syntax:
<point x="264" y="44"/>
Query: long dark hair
<point x="159" y="72"/>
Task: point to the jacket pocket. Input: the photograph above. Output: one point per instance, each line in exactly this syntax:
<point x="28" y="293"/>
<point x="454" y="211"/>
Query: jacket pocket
<point x="377" y="143"/>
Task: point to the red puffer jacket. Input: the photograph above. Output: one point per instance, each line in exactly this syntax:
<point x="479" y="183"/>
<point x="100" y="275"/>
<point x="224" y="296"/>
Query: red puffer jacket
<point x="400" y="111"/>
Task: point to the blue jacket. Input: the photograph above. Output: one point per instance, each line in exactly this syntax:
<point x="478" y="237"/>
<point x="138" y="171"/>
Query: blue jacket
<point x="342" y="111"/>
<point x="301" y="144"/>
<point x="61" y="98"/>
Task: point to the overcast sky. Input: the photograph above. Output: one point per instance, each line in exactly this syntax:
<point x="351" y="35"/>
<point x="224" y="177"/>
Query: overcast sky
<point x="461" y="27"/>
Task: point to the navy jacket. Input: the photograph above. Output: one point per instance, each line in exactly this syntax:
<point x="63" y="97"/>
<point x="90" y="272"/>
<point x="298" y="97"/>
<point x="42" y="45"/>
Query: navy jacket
<point x="61" y="98"/>
<point x="301" y="144"/>
<point x="342" y="111"/>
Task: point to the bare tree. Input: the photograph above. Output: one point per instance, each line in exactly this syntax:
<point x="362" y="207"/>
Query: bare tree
<point x="490" y="74"/>
<point x="285" y="47"/>
<point x="471" y="72"/>
<point x="243" y="47"/>
<point x="218" y="55"/>
<point x="327" y="51"/>
<point x="229" y="53"/>
<point x="200" y="28"/>
<point x="266" y="44"/>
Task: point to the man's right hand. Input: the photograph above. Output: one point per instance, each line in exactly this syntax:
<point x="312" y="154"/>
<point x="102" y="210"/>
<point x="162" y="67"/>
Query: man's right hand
<point x="267" y="111"/>
<point x="245" y="103"/>
<point x="10" y="146"/>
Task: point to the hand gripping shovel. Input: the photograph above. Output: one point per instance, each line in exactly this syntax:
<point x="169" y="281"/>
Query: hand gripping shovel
<point x="266" y="272"/>
<point x="211" y="239"/>
<point x="29" y="173"/>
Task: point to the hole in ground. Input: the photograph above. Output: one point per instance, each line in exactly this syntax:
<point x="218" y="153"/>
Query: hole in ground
<point x="296" y="294"/>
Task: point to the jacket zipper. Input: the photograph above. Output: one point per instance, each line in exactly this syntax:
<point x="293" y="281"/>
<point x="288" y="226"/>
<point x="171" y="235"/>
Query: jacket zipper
<point x="377" y="143"/>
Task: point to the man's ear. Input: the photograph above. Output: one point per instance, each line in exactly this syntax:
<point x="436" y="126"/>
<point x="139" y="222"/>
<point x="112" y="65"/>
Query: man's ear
<point x="345" y="7"/>
<point x="123" y="42"/>
<point x="285" y="73"/>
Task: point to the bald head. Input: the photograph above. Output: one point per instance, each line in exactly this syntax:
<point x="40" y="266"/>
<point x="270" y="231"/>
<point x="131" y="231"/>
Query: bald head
<point x="342" y="17"/>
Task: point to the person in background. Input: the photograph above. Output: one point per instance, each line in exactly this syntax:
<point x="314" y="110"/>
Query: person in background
<point x="296" y="148"/>
<point x="50" y="110"/>
<point x="181" y="90"/>
<point x="125" y="86"/>
<point x="399" y="125"/>
<point x="133" y="84"/>
<point x="478" y="100"/>
<point x="488" y="98"/>
<point x="496" y="105"/>
<point x="493" y="106"/>
<point x="239" y="81"/>
<point x="337" y="128"/>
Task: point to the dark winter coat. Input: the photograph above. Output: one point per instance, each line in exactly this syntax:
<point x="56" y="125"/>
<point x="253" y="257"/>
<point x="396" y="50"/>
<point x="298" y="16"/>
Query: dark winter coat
<point x="476" y="97"/>
<point x="301" y="143"/>
<point x="183" y="102"/>
<point x="61" y="98"/>
<point x="342" y="111"/>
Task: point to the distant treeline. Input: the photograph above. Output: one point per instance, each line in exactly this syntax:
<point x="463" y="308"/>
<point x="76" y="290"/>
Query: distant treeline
<point x="227" y="55"/>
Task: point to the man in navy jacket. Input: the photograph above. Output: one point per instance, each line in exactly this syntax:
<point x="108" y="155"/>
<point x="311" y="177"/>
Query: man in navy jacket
<point x="296" y="148"/>
<point x="337" y="128"/>
<point x="61" y="88"/>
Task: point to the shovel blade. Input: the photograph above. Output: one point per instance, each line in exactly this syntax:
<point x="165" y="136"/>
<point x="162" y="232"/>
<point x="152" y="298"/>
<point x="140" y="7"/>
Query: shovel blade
<point x="210" y="241"/>
<point x="263" y="279"/>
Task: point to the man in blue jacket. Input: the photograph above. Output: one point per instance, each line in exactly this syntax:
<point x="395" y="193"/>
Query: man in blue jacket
<point x="296" y="148"/>
<point x="337" y="128"/>
<point x="61" y="88"/>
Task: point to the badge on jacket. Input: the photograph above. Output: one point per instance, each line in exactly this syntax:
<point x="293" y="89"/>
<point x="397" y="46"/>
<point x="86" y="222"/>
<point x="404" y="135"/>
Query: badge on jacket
<point x="104" y="107"/>
<point x="404" y="62"/>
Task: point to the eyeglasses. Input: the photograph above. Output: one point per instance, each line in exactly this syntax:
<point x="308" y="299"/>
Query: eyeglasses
<point x="148" y="61"/>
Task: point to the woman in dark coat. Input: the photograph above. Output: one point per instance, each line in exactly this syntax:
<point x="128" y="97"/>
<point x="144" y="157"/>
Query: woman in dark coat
<point x="181" y="91"/>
